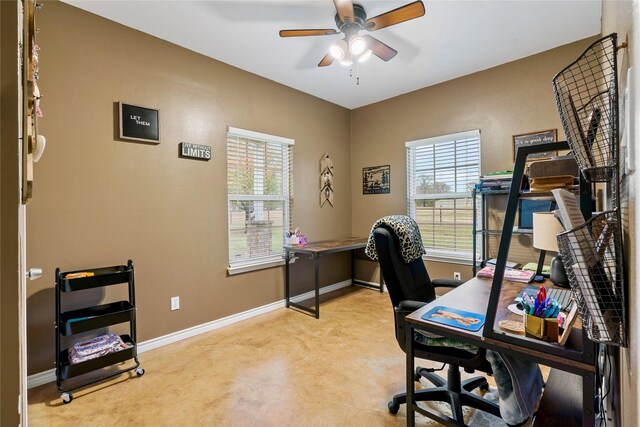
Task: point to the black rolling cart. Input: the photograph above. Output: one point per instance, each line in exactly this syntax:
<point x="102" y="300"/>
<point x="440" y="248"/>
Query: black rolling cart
<point x="91" y="318"/>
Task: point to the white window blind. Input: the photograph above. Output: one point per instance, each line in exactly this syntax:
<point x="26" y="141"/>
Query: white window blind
<point x="259" y="168"/>
<point x="441" y="173"/>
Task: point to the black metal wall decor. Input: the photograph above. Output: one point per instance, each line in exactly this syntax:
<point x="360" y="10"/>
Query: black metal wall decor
<point x="586" y="93"/>
<point x="195" y="151"/>
<point x="139" y="123"/>
<point x="376" y="180"/>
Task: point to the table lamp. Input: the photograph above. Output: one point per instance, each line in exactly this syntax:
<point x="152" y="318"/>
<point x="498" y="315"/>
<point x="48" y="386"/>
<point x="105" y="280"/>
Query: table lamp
<point x="545" y="229"/>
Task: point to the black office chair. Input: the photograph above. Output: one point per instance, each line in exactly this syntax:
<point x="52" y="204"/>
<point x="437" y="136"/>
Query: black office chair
<point x="410" y="288"/>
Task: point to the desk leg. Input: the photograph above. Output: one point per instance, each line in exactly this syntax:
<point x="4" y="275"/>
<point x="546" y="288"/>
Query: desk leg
<point x="287" y="292"/>
<point x="411" y="415"/>
<point x="588" y="401"/>
<point x="353" y="267"/>
<point x="317" y="280"/>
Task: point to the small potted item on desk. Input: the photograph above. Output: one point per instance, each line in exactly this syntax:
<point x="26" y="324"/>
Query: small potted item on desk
<point x="295" y="238"/>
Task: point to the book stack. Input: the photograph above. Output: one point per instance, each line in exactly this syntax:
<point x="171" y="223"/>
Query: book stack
<point x="495" y="181"/>
<point x="510" y="274"/>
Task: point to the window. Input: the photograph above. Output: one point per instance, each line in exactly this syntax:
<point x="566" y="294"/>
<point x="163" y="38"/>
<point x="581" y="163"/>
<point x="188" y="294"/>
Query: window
<point x="441" y="173"/>
<point x="259" y="198"/>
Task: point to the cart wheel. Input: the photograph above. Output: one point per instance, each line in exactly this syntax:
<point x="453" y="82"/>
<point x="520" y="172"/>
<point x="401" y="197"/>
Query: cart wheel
<point x="484" y="387"/>
<point x="66" y="398"/>
<point x="393" y="407"/>
<point x="139" y="372"/>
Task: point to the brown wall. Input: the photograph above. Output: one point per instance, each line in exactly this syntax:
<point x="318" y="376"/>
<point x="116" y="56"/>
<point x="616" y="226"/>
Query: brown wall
<point x="9" y="200"/>
<point x="618" y="17"/>
<point x="509" y="99"/>
<point x="99" y="201"/>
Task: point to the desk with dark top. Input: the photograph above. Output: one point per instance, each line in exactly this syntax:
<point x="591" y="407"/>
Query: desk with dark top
<point x="473" y="296"/>
<point x="316" y="250"/>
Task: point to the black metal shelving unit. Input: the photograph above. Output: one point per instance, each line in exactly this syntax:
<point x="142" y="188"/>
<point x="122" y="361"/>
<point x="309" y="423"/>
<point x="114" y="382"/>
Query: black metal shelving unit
<point x="481" y="228"/>
<point x="87" y="319"/>
<point x="484" y="229"/>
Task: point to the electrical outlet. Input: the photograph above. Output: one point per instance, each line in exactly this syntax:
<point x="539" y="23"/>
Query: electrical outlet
<point x="456" y="275"/>
<point x="175" y="303"/>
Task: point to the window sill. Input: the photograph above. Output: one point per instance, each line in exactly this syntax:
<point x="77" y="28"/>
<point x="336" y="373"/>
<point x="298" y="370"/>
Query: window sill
<point x="448" y="258"/>
<point x="245" y="268"/>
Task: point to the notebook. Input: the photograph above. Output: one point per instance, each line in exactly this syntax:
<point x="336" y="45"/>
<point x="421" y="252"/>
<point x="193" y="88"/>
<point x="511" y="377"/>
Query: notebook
<point x="511" y="275"/>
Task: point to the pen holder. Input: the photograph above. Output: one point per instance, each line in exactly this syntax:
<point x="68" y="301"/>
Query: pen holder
<point x="543" y="329"/>
<point x="291" y="240"/>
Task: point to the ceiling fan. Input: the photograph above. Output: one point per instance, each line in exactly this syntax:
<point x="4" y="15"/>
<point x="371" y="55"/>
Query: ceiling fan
<point x="350" y="20"/>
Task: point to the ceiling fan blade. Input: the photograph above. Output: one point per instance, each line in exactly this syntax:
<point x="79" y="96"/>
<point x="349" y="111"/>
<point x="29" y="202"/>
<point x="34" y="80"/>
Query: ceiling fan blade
<point x="345" y="10"/>
<point x="327" y="60"/>
<point x="303" y="33"/>
<point x="380" y="49"/>
<point x="395" y="16"/>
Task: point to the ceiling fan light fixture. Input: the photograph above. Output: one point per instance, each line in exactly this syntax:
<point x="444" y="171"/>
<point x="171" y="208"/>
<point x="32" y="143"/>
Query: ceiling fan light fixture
<point x="357" y="45"/>
<point x="366" y="55"/>
<point x="347" y="60"/>
<point x="338" y="50"/>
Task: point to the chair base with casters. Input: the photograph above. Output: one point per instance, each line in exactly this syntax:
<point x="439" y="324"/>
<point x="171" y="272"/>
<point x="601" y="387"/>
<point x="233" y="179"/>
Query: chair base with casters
<point x="452" y="390"/>
<point x="410" y="288"/>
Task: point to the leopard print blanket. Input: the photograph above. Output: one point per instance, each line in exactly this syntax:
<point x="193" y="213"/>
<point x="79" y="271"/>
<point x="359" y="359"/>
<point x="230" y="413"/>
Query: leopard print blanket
<point x="408" y="233"/>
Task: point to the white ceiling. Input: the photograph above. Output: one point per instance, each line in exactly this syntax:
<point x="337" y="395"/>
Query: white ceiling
<point x="453" y="39"/>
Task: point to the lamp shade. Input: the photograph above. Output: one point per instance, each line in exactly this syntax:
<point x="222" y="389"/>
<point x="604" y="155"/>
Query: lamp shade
<point x="545" y="229"/>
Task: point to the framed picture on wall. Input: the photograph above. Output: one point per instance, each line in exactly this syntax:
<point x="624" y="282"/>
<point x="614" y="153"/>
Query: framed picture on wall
<point x="139" y="123"/>
<point x="376" y="180"/>
<point x="535" y="138"/>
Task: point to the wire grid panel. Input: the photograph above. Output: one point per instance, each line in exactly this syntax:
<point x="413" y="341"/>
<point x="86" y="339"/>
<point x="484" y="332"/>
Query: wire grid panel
<point x="592" y="258"/>
<point x="586" y="93"/>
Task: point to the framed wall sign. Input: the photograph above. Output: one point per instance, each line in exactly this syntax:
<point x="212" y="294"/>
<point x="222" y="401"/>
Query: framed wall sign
<point x="139" y="123"/>
<point x="376" y="180"/>
<point x="195" y="151"/>
<point x="535" y="138"/>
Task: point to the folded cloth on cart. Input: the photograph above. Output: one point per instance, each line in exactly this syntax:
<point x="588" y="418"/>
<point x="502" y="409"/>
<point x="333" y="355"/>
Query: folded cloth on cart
<point x="95" y="347"/>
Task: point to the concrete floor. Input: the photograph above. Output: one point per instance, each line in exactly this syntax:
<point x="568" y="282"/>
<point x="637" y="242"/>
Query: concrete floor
<point x="283" y="368"/>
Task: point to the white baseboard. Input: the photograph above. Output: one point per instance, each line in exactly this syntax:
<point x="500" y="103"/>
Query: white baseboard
<point x="207" y="327"/>
<point x="41" y="378"/>
<point x="48" y="376"/>
<point x="377" y="284"/>
<point x="326" y="289"/>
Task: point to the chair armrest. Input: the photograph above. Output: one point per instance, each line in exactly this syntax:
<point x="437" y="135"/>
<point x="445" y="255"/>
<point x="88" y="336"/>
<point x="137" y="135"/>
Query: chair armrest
<point x="446" y="283"/>
<point x="409" y="306"/>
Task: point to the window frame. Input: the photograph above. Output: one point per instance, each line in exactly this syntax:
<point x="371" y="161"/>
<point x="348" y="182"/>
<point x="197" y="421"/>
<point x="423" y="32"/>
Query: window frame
<point x="439" y="254"/>
<point x="258" y="263"/>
